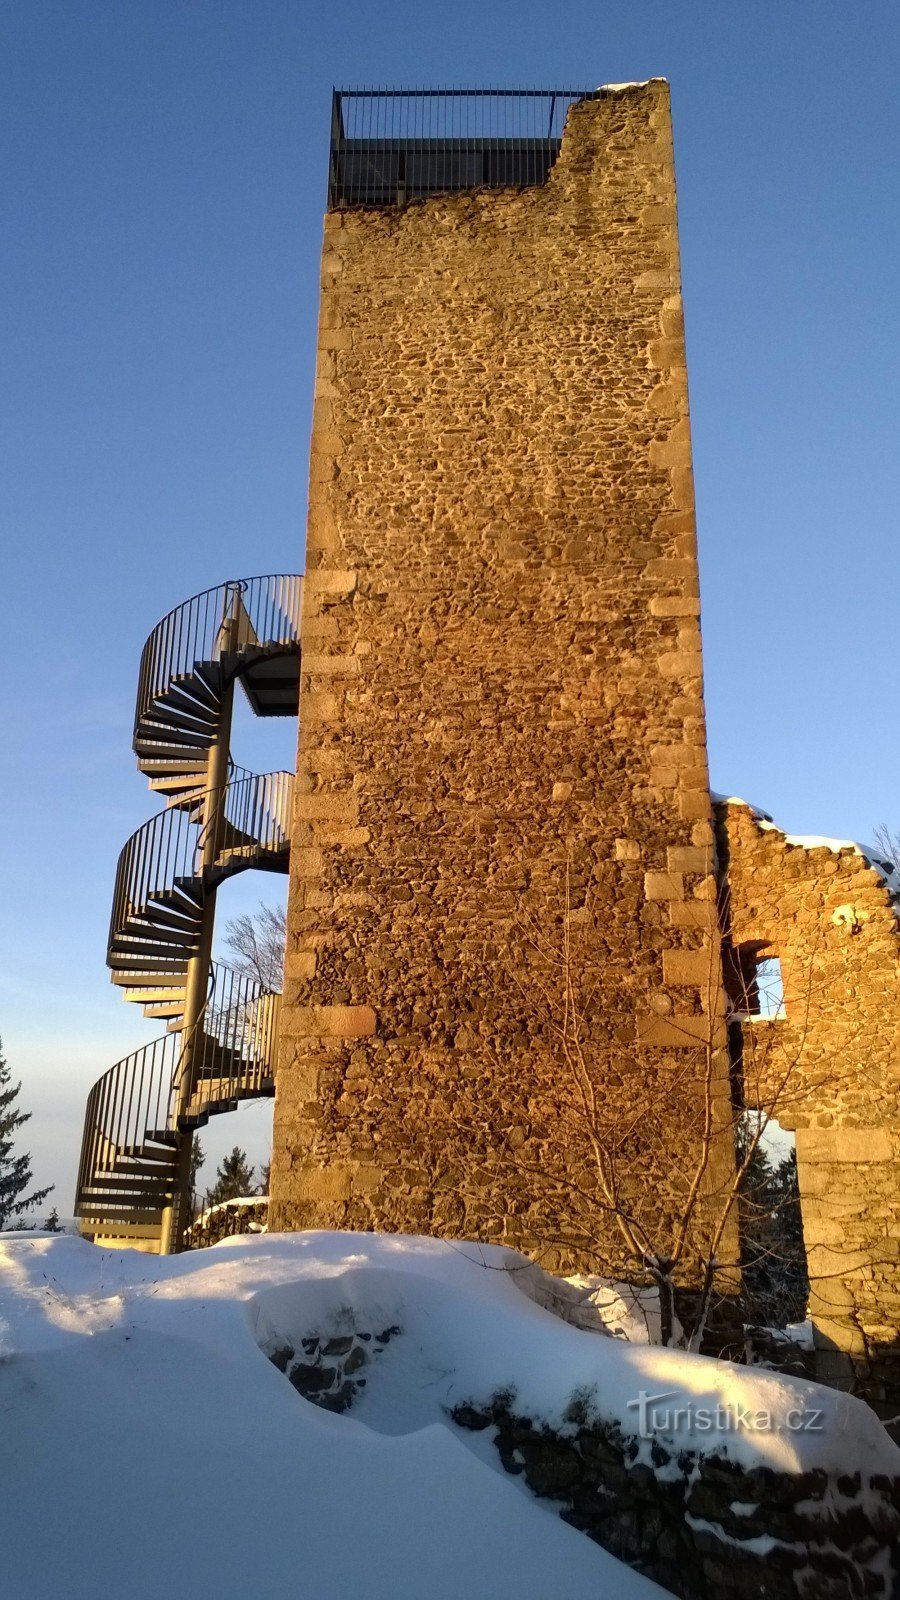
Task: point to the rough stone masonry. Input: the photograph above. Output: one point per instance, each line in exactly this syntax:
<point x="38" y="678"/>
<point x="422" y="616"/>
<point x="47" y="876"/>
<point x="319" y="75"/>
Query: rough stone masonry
<point x="503" y="815"/>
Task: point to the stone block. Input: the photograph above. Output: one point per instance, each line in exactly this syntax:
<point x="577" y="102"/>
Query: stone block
<point x="841" y="1145"/>
<point x="327" y="1184"/>
<point x="689" y="858"/>
<point x="675" y="606"/>
<point x="329" y="1022"/>
<point x="694" y="804"/>
<point x="325" y="666"/>
<point x="680" y="664"/>
<point x="300" y="965"/>
<point x="691" y="914"/>
<point x="678" y="1032"/>
<point x="626" y="850"/>
<point x="663" y="886"/>
<point x="327" y="806"/>
<point x="693" y="967"/>
<point x="327" y="586"/>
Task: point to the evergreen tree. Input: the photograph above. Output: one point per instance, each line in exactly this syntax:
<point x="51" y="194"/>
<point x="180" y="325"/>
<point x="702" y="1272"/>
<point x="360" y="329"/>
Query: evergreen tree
<point x="52" y="1223"/>
<point x="15" y="1171"/>
<point x="234" y="1178"/>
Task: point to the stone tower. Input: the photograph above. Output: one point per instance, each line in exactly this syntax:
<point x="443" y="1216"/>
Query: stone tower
<point x="502" y="750"/>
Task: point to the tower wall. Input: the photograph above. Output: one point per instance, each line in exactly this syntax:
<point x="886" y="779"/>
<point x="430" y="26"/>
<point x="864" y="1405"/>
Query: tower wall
<point x="502" y="746"/>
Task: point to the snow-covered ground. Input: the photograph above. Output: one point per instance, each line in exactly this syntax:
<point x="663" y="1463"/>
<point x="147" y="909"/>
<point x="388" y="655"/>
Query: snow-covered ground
<point x="148" y="1447"/>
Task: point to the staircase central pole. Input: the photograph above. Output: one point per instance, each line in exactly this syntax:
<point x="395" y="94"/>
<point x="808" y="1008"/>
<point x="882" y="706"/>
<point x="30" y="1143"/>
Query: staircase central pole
<point x="175" y="1216"/>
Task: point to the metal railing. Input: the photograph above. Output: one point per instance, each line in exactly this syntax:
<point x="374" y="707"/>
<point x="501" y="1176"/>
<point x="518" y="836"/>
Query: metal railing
<point x="258" y="807"/>
<point x="228" y="1220"/>
<point x="265" y="612"/>
<point x="166" y="853"/>
<point x="134" y="1105"/>
<point x="159" y="855"/>
<point x="389" y="146"/>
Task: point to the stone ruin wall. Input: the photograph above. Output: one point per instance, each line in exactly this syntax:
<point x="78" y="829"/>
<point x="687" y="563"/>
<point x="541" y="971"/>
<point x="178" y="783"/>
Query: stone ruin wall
<point x="828" y="916"/>
<point x="501" y="676"/>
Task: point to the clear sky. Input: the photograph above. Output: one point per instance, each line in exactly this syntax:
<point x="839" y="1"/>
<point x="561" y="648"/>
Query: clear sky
<point x="164" y="177"/>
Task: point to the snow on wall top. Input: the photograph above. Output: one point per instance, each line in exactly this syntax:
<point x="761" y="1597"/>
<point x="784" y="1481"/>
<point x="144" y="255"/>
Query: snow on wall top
<point x="888" y="871"/>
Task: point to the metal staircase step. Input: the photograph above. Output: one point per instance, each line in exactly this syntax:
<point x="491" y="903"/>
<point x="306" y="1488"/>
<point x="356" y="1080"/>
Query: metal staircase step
<point x="169" y="725"/>
<point x="174" y="707"/>
<point x="272" y="684"/>
<point x="144" y="963"/>
<point x="162" y="1136"/>
<point x="208" y="675"/>
<point x="161" y="742"/>
<point x="201" y="685"/>
<point x="190" y="889"/>
<point x="146" y="938"/>
<point x="117" y="1229"/>
<point x="102" y="1209"/>
<point x="158" y="1156"/>
<point x="152" y="990"/>
<point x="184" y="774"/>
<point x="120" y="1234"/>
<point x="168" y="916"/>
<point x="142" y="1192"/>
<point x="136" y="1161"/>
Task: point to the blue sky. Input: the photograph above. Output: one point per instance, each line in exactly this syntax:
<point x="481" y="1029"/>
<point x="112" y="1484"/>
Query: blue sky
<point x="164" y="186"/>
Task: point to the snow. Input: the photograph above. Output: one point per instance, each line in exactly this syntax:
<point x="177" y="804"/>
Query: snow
<point x="149" y="1447"/>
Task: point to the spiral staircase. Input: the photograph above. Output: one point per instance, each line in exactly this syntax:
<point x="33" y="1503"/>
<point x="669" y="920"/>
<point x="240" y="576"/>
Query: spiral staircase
<point x="219" y="1049"/>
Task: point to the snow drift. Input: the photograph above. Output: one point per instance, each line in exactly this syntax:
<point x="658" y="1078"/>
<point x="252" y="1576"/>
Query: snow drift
<point x="149" y="1446"/>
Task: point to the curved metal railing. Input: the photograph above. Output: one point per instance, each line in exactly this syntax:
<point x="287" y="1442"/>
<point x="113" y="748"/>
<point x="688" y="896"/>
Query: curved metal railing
<point x="133" y="1109"/>
<point x="166" y="853"/>
<point x="266" y="614"/>
<point x="258" y="805"/>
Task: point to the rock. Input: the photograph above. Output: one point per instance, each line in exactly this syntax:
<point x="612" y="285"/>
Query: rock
<point x="339" y="1346"/>
<point x="310" y="1381"/>
<point x="551" y="1467"/>
<point x="466" y="1416"/>
<point x="341" y="1400"/>
<point x="282" y="1357"/>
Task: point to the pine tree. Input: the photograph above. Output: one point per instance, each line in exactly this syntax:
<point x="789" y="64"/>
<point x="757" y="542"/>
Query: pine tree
<point x="15" y="1171"/>
<point x="234" y="1178"/>
<point x="52" y="1224"/>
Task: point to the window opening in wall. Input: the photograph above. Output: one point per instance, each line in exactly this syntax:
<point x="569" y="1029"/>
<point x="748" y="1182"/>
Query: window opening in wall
<point x="755" y="984"/>
<point x="769" y="988"/>
<point x="773" y="1254"/>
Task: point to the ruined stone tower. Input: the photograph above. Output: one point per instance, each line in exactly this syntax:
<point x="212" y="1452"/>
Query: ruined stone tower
<point x="501" y="707"/>
<point x="503" y="925"/>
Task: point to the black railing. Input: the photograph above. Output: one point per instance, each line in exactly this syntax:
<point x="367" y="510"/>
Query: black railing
<point x="132" y="1111"/>
<point x="258" y="810"/>
<point x="264" y="613"/>
<point x="166" y="853"/>
<point x="389" y="146"/>
<point x="227" y="1220"/>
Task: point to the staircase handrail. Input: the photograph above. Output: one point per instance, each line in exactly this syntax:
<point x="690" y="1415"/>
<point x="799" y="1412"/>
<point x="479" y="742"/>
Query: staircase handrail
<point x="169" y="845"/>
<point x="191" y="632"/>
<point x="140" y="1093"/>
